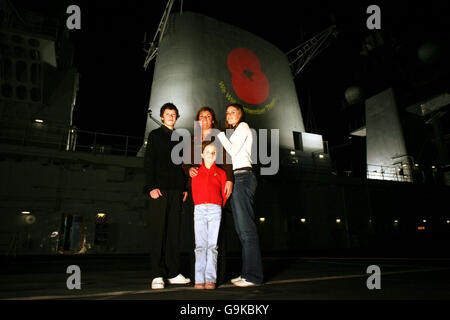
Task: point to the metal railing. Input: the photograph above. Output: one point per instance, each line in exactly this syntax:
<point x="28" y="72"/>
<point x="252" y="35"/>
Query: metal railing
<point x="98" y="142"/>
<point x="380" y="172"/>
<point x="65" y="138"/>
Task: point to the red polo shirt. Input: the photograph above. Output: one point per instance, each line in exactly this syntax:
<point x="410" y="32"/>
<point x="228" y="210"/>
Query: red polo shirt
<point x="208" y="185"/>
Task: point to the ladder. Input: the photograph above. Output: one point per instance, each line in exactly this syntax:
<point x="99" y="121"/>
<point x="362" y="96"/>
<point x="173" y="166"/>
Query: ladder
<point x="153" y="50"/>
<point x="301" y="55"/>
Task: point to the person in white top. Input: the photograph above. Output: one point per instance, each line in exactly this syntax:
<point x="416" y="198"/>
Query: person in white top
<point x="239" y="146"/>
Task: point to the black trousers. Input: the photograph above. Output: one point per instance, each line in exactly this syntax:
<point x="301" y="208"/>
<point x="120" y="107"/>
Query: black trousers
<point x="188" y="209"/>
<point x="164" y="227"/>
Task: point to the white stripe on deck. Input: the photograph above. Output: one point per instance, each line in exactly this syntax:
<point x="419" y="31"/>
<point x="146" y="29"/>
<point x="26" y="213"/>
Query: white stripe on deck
<point x="184" y="288"/>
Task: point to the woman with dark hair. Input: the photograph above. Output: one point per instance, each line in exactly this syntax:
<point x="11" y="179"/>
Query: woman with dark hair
<point x="239" y="146"/>
<point x="206" y="119"/>
<point x="203" y="112"/>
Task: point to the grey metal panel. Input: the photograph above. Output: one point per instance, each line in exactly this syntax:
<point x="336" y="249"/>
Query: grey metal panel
<point x="191" y="71"/>
<point x="385" y="140"/>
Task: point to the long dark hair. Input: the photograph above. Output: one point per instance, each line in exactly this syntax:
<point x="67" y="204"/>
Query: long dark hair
<point x="241" y="119"/>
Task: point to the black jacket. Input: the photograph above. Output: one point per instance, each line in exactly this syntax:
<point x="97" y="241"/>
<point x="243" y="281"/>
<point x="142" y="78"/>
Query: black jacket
<point x="160" y="171"/>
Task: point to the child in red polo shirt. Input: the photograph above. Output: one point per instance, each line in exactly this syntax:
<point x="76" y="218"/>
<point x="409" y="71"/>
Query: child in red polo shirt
<point x="209" y="198"/>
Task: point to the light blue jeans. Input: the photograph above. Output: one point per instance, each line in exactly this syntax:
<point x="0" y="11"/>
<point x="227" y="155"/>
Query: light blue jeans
<point x="206" y="226"/>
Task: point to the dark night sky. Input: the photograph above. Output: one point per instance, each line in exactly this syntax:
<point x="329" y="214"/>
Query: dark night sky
<point x="114" y="88"/>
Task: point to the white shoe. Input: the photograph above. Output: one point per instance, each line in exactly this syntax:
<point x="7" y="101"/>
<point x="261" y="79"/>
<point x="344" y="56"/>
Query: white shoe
<point x="158" y="283"/>
<point x="236" y="279"/>
<point x="179" y="279"/>
<point x="244" y="283"/>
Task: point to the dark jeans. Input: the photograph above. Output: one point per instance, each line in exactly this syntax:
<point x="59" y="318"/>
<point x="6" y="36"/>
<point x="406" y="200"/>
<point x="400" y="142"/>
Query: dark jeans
<point x="164" y="225"/>
<point x="244" y="219"/>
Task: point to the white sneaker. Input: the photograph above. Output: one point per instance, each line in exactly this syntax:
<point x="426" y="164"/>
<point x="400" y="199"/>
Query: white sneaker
<point x="236" y="279"/>
<point x="158" y="283"/>
<point x="179" y="279"/>
<point x="244" y="283"/>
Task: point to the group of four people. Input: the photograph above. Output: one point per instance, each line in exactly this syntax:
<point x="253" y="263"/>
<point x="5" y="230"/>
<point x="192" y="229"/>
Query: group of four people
<point x="208" y="189"/>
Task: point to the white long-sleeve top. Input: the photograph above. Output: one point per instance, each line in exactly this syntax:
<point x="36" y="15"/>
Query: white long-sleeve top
<point x="239" y="146"/>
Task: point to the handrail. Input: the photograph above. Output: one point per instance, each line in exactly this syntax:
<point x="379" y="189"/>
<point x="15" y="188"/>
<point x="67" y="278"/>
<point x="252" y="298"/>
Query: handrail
<point x="67" y="138"/>
<point x="391" y="173"/>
